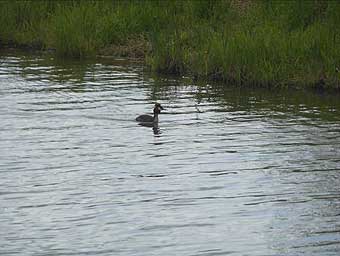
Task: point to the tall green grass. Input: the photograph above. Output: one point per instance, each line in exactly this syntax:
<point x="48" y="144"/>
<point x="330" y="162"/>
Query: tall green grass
<point x="268" y="43"/>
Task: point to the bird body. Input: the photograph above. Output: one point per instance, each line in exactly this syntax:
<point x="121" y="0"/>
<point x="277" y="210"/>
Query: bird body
<point x="145" y="118"/>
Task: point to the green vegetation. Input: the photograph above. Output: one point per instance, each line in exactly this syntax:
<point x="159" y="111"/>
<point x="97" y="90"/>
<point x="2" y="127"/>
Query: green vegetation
<point x="267" y="43"/>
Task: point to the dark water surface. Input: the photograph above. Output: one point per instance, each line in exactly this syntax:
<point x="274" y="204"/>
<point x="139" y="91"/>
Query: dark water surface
<point x="231" y="171"/>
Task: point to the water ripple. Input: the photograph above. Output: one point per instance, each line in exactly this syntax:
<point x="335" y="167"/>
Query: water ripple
<point x="230" y="171"/>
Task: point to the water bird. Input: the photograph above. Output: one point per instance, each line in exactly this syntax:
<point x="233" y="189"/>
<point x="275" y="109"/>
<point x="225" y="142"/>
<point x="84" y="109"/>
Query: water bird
<point x="148" y="119"/>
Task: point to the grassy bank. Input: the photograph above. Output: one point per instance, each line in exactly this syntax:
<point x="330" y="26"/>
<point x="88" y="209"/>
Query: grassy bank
<point x="268" y="43"/>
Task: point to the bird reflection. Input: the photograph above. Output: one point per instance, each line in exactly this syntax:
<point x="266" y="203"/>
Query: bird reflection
<point x="155" y="128"/>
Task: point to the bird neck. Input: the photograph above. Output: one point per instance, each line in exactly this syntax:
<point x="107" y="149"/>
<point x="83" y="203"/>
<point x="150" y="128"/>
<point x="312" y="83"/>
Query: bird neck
<point x="155" y="117"/>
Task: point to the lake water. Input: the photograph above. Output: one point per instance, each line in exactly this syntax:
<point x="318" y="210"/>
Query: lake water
<point x="229" y="171"/>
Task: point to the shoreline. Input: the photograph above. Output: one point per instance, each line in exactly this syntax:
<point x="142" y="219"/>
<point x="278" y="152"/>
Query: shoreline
<point x="114" y="57"/>
<point x="248" y="43"/>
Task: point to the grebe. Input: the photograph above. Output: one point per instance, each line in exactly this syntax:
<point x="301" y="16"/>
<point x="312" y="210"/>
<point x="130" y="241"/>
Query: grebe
<point x="151" y="119"/>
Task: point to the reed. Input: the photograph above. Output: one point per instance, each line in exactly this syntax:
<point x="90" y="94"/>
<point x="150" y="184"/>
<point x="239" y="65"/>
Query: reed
<point x="267" y="43"/>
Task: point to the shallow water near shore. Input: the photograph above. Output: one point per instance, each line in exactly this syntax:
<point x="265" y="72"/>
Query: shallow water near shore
<point x="229" y="171"/>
